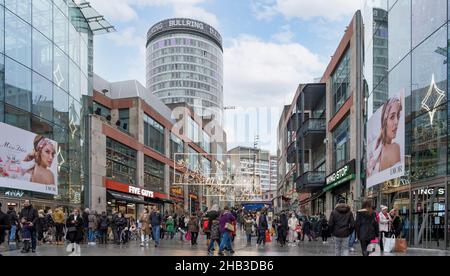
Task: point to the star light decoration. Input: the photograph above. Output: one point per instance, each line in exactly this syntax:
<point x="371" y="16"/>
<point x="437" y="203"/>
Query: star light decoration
<point x="62" y="161"/>
<point x="435" y="95"/>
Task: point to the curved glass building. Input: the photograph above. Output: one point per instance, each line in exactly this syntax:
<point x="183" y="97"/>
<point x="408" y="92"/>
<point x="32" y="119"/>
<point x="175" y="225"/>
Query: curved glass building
<point x="46" y="69"/>
<point x="185" y="65"/>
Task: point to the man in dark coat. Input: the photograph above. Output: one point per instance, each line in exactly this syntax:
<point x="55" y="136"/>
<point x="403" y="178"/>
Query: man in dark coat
<point x="4" y="225"/>
<point x="156" y="222"/>
<point x="29" y="216"/>
<point x="341" y="225"/>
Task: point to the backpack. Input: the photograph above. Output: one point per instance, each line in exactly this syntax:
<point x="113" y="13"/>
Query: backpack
<point x="205" y="225"/>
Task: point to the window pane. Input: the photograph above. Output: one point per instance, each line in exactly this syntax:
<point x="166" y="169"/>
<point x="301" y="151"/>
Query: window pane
<point x="399" y="31"/>
<point x="74" y="81"/>
<point x="60" y="106"/>
<point x="42" y="17"/>
<point x="17" y="118"/>
<point x="429" y="74"/>
<point x="17" y="85"/>
<point x="74" y="44"/>
<point x="427" y="18"/>
<point x="61" y="30"/>
<point x="62" y="5"/>
<point x="21" y="8"/>
<point x="2" y="111"/>
<point x="42" y="97"/>
<point x="17" y="39"/>
<point x="2" y="78"/>
<point x="42" y="55"/>
<point x="61" y="69"/>
<point x="2" y="30"/>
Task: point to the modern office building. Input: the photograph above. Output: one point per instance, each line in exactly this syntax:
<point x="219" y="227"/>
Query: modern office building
<point x="135" y="142"/>
<point x="418" y="66"/>
<point x="46" y="70"/>
<point x="185" y="65"/>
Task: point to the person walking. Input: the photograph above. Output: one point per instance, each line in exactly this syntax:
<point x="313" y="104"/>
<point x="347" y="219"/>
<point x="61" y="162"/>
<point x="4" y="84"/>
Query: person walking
<point x="121" y="224"/>
<point x="103" y="226"/>
<point x="5" y="225"/>
<point x="384" y="225"/>
<point x="92" y="225"/>
<point x="145" y="227"/>
<point x="41" y="226"/>
<point x="307" y="229"/>
<point x="248" y="228"/>
<point x="324" y="229"/>
<point x="14" y="222"/>
<point x="211" y="215"/>
<point x="293" y="227"/>
<point x="156" y="221"/>
<point x="215" y="235"/>
<point x="85" y="217"/>
<point x="58" y="219"/>
<point x="226" y="228"/>
<point x="170" y="227"/>
<point x="262" y="226"/>
<point x="181" y="228"/>
<point x="28" y="217"/>
<point x="114" y="230"/>
<point x="49" y="235"/>
<point x="193" y="228"/>
<point x="75" y="228"/>
<point x="341" y="225"/>
<point x="397" y="223"/>
<point x="366" y="226"/>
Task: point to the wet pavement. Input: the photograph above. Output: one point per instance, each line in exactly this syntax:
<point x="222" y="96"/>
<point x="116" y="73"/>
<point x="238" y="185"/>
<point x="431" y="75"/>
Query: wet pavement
<point x="183" y="248"/>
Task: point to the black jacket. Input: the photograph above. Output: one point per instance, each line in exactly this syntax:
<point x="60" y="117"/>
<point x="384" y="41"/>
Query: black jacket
<point x="103" y="223"/>
<point x="13" y="218"/>
<point x="284" y="224"/>
<point x="341" y="223"/>
<point x="212" y="215"/>
<point x="4" y="225"/>
<point x="74" y="229"/>
<point x="29" y="214"/>
<point x="366" y="226"/>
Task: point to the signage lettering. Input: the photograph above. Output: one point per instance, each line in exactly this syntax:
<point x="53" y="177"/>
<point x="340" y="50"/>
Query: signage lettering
<point x="140" y="192"/>
<point x="344" y="174"/>
<point x="15" y="193"/>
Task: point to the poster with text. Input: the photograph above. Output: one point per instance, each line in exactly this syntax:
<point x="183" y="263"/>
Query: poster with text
<point x="27" y="161"/>
<point x="386" y="142"/>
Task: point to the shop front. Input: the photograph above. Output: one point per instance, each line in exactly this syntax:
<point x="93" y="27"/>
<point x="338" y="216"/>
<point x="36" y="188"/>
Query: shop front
<point x="194" y="203"/>
<point x="338" y="184"/>
<point x="127" y="199"/>
<point x="177" y="196"/>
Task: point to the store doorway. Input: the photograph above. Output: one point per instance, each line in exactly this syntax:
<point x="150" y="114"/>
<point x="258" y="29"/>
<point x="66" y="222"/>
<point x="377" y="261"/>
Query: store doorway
<point x="427" y="227"/>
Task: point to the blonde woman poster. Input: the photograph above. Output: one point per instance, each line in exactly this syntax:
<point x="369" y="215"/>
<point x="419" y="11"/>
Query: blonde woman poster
<point x="27" y="161"/>
<point x="386" y="142"/>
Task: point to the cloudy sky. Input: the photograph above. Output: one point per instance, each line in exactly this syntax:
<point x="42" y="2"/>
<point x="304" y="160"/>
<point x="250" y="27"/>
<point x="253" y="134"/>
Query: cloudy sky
<point x="270" y="46"/>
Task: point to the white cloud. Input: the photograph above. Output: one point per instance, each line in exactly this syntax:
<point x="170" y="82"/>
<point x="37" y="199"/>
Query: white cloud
<point x="305" y="9"/>
<point x="285" y="35"/>
<point x="125" y="10"/>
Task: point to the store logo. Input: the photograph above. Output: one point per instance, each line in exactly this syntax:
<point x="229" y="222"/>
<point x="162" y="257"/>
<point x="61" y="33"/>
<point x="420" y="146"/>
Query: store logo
<point x="140" y="192"/>
<point x="441" y="191"/>
<point x="15" y="193"/>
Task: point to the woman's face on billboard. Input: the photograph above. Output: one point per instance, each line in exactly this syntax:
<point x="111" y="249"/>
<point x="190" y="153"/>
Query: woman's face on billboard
<point x="47" y="155"/>
<point x="393" y="121"/>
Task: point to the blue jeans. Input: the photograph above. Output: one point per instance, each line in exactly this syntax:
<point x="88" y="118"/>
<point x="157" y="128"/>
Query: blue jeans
<point x="249" y="238"/>
<point x="156" y="230"/>
<point x="211" y="244"/>
<point x="351" y="240"/>
<point x="226" y="242"/>
<point x="91" y="235"/>
<point x="341" y="246"/>
<point x="12" y="233"/>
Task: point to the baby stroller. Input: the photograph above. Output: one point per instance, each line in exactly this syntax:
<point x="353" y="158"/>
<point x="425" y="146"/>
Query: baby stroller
<point x="374" y="248"/>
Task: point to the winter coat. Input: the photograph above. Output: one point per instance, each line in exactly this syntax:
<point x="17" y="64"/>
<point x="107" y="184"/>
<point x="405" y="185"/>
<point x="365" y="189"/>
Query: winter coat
<point x="145" y="225"/>
<point x="13" y="218"/>
<point x="212" y="215"/>
<point x="397" y="226"/>
<point x="306" y="227"/>
<point x="284" y="225"/>
<point x="85" y="217"/>
<point x="263" y="224"/>
<point x="293" y="223"/>
<point x="248" y="226"/>
<point x="74" y="229"/>
<point x="4" y="225"/>
<point x="366" y="226"/>
<point x="170" y="226"/>
<point x="324" y="226"/>
<point x="58" y="216"/>
<point x="155" y="219"/>
<point x="193" y="225"/>
<point x="92" y="222"/>
<point x="227" y="217"/>
<point x="385" y="222"/>
<point x="103" y="223"/>
<point x="29" y="215"/>
<point x="41" y="224"/>
<point x="215" y="230"/>
<point x="341" y="222"/>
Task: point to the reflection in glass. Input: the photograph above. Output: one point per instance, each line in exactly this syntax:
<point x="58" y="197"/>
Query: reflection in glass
<point x="17" y="85"/>
<point x="17" y="118"/>
<point x="427" y="18"/>
<point x="61" y="69"/>
<point x="17" y="39"/>
<point x="42" y="55"/>
<point x="42" y="17"/>
<point x="42" y="97"/>
<point x="399" y="32"/>
<point x="21" y="8"/>
<point x="60" y="106"/>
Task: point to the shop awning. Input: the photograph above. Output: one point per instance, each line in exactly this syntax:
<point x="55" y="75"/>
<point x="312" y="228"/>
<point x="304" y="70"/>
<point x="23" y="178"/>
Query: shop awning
<point x="158" y="200"/>
<point x="127" y="198"/>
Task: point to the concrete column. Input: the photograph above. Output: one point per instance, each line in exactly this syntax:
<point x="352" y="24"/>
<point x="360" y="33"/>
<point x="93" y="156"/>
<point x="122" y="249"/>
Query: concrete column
<point x="98" y="166"/>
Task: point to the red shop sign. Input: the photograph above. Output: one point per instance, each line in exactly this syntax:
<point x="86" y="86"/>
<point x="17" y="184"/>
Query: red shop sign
<point x="117" y="186"/>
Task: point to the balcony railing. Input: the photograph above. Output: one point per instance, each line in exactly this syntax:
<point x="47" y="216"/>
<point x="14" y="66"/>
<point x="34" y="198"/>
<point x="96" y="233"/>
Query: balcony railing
<point x="310" y="181"/>
<point x="313" y="125"/>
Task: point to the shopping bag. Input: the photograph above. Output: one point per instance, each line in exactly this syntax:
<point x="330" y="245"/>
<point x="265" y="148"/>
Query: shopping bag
<point x="188" y="236"/>
<point x="389" y="244"/>
<point x="401" y="246"/>
<point x="268" y="239"/>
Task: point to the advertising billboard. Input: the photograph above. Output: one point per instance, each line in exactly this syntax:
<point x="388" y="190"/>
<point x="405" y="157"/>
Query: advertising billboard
<point x="27" y="161"/>
<point x="386" y="142"/>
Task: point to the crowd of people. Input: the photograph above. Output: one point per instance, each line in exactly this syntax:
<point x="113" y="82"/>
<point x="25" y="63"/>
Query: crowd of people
<point x="31" y="227"/>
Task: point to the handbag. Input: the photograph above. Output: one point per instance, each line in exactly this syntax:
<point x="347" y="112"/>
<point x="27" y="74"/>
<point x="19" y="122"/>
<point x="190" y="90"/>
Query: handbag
<point x="401" y="246"/>
<point x="229" y="227"/>
<point x="389" y="244"/>
<point x="188" y="236"/>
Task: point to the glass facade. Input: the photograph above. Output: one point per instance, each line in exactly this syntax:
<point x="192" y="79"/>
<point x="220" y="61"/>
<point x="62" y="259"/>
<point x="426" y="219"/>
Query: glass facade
<point x="153" y="175"/>
<point x="121" y="163"/>
<point x="44" y="71"/>
<point x="341" y="82"/>
<point x="341" y="144"/>
<point x="185" y="67"/>
<point x="418" y="44"/>
<point x="176" y="146"/>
